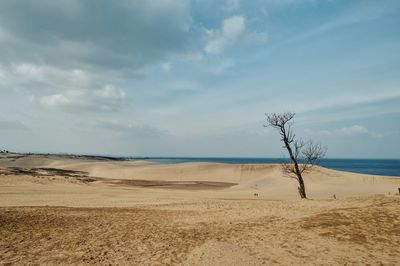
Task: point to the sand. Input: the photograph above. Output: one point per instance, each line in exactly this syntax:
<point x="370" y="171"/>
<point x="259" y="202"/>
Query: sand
<point x="82" y="210"/>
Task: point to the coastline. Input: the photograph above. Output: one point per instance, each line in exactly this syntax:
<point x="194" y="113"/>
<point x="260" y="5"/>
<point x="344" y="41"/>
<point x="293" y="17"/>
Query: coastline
<point x="369" y="166"/>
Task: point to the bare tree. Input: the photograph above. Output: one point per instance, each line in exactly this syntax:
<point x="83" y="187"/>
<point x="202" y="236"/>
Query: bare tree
<point x="303" y="155"/>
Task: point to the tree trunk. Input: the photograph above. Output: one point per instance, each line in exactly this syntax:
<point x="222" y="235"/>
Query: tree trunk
<point x="301" y="188"/>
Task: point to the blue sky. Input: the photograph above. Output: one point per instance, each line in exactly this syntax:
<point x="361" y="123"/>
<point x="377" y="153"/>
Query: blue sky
<point x="195" y="78"/>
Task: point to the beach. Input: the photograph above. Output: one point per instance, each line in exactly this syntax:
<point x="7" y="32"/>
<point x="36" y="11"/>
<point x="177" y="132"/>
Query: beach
<point x="57" y="209"/>
<point x="199" y="132"/>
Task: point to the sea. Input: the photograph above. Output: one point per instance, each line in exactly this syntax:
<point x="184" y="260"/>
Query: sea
<point x="386" y="167"/>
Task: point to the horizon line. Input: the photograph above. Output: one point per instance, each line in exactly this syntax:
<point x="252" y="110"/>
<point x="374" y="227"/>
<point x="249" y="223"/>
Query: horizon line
<point x="186" y="157"/>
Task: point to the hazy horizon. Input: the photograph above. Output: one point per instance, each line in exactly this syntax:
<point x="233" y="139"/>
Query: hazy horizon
<point x="194" y="78"/>
<point x="186" y="157"/>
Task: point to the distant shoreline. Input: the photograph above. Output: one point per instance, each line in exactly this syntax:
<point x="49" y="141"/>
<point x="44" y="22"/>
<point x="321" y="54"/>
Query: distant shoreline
<point x="382" y="167"/>
<point x="124" y="158"/>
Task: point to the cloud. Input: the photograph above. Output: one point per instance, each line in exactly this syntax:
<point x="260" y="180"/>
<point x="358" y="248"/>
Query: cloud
<point x="352" y="131"/>
<point x="215" y="46"/>
<point x="166" y="67"/>
<point x="54" y="100"/>
<point x="355" y="130"/>
<point x="194" y="56"/>
<point x="130" y="129"/>
<point x="6" y="124"/>
<point x="123" y="35"/>
<point x="220" y="66"/>
<point x="357" y="13"/>
<point x="231" y="29"/>
<point x="348" y="107"/>
<point x="65" y="55"/>
<point x="256" y="37"/>
<point x="67" y="90"/>
<point x="40" y="79"/>
<point x="107" y="99"/>
<point x="231" y="5"/>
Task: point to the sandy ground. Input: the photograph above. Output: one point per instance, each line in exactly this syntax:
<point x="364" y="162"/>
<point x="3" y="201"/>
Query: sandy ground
<point x="64" y="210"/>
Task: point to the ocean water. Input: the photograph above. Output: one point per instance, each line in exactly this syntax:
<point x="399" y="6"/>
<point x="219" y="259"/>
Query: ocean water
<point x="388" y="167"/>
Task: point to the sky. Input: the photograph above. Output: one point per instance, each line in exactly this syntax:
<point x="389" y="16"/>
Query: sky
<point x="195" y="78"/>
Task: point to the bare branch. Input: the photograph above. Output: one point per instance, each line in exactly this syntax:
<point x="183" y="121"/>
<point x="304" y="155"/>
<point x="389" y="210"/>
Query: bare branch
<point x="289" y="169"/>
<point x="290" y="135"/>
<point x="298" y="145"/>
<point x="314" y="152"/>
<point x="277" y="120"/>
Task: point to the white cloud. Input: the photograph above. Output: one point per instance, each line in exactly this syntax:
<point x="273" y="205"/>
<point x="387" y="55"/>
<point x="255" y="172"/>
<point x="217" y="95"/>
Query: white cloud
<point x="130" y="129"/>
<point x="167" y="66"/>
<point x="355" y="130"/>
<point x="106" y="99"/>
<point x="38" y="77"/>
<point x="215" y="46"/>
<point x="65" y="89"/>
<point x="110" y="92"/>
<point x="54" y="100"/>
<point x="351" y="131"/>
<point x="232" y="29"/>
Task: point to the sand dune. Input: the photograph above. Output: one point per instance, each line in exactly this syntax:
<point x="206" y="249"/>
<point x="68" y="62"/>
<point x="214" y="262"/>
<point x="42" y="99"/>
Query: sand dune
<point x="242" y="180"/>
<point x="80" y="210"/>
